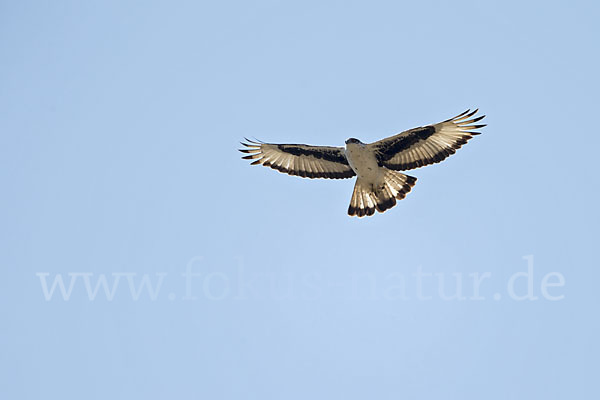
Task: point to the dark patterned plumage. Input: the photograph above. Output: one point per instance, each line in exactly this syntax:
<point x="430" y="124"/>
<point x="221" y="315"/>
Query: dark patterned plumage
<point x="300" y="159"/>
<point x="428" y="144"/>
<point x="378" y="185"/>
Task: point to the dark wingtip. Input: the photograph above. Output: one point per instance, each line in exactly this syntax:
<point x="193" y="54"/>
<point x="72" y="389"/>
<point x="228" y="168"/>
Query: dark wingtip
<point x="253" y="142"/>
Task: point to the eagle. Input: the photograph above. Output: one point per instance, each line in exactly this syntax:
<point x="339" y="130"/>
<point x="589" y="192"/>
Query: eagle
<point x="376" y="165"/>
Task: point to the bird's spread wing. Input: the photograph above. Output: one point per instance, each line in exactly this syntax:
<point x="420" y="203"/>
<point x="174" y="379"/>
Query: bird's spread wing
<point x="428" y="144"/>
<point x="300" y="159"/>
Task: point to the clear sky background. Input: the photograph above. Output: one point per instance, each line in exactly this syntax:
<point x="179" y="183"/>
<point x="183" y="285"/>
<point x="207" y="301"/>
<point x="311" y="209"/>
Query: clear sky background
<point x="118" y="134"/>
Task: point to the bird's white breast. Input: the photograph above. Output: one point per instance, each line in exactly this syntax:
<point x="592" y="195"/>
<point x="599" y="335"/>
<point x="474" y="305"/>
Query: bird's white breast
<point x="363" y="161"/>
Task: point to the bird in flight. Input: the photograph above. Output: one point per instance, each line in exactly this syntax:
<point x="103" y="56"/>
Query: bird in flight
<point x="378" y="184"/>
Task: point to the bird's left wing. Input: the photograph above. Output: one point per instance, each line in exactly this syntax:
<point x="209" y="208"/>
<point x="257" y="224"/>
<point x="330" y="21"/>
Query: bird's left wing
<point x="426" y="145"/>
<point x="300" y="159"/>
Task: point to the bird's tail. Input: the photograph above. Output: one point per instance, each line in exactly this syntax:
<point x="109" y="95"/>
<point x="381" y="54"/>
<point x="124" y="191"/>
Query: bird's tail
<point x="368" y="197"/>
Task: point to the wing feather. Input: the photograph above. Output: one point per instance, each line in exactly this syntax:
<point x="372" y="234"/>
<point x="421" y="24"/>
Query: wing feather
<point x="299" y="159"/>
<point x="427" y="144"/>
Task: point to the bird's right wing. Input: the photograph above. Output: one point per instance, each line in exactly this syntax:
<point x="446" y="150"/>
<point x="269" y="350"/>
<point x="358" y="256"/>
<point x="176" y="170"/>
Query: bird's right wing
<point x="300" y="159"/>
<point x="428" y="144"/>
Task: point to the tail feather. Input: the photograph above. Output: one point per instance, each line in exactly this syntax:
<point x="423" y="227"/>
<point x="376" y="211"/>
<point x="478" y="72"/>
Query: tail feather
<point x="367" y="197"/>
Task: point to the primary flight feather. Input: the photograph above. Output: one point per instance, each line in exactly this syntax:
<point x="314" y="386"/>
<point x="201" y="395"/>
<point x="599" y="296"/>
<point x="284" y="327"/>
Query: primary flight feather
<point x="378" y="185"/>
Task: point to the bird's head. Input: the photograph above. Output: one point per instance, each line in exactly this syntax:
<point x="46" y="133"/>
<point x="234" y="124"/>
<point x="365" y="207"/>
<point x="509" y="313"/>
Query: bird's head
<point x="353" y="140"/>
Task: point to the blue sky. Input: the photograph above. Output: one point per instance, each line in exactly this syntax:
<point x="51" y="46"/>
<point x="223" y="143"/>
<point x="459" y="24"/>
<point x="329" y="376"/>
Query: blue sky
<point x="118" y="161"/>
